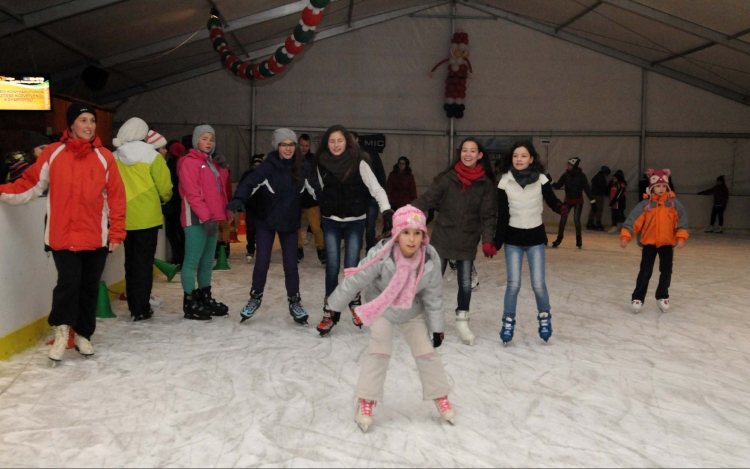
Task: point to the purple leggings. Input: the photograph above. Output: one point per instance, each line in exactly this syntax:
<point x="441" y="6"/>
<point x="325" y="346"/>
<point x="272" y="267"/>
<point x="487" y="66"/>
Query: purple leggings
<point x="264" y="242"/>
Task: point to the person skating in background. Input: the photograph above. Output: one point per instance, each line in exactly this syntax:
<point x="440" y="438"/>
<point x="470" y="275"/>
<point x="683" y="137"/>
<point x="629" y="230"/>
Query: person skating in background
<point x="401" y="186"/>
<point x="405" y="289"/>
<point x="376" y="164"/>
<point x="171" y="209"/>
<point x="225" y="226"/>
<point x="85" y="221"/>
<point x="466" y="197"/>
<point x="310" y="207"/>
<point x="280" y="181"/>
<point x="250" y="209"/>
<point x="599" y="189"/>
<point x="721" y="198"/>
<point x="19" y="161"/>
<point x="204" y="200"/>
<point x="575" y="184"/>
<point x="660" y="222"/>
<point x="347" y="184"/>
<point x="147" y="184"/>
<point x="523" y="190"/>
<point x="617" y="199"/>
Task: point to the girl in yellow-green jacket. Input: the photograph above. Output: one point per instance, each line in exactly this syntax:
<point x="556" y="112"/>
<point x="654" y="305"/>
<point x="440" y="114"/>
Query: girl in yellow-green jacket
<point x="147" y="185"/>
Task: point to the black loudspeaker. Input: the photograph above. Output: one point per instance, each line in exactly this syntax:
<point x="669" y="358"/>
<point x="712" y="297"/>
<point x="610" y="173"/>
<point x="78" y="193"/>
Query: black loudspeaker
<point x="95" y="78"/>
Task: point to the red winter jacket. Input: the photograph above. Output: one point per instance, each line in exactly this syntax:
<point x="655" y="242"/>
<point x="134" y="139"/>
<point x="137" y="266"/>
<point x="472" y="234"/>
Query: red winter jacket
<point x="401" y="189"/>
<point x="203" y="194"/>
<point x="86" y="201"/>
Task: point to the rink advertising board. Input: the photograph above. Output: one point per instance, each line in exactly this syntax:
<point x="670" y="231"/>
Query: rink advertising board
<point x="25" y="92"/>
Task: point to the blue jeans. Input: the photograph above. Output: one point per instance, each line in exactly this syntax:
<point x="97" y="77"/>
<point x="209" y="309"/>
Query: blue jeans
<point x="372" y="217"/>
<point x="463" y="273"/>
<point x="333" y="232"/>
<point x="513" y="263"/>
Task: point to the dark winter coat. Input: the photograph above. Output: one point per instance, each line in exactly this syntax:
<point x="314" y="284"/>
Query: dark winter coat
<point x="721" y="194"/>
<point x="466" y="218"/>
<point x="308" y="201"/>
<point x="279" y="195"/>
<point x="401" y="189"/>
<point x="575" y="183"/>
<point x="599" y="184"/>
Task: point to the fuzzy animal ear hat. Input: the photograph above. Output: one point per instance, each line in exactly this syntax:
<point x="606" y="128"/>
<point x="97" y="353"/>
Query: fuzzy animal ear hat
<point x="657" y="177"/>
<point x="402" y="288"/>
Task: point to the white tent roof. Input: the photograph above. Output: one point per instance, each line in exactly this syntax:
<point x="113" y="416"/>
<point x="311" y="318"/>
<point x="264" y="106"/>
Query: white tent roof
<point x="706" y="44"/>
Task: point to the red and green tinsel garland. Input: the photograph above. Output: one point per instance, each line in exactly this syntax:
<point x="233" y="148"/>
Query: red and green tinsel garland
<point x="277" y="63"/>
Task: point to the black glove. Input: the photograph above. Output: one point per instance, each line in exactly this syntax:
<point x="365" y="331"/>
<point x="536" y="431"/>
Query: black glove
<point x="388" y="219"/>
<point x="220" y="161"/>
<point x="167" y="209"/>
<point x="236" y="205"/>
<point x="437" y="339"/>
<point x="212" y="228"/>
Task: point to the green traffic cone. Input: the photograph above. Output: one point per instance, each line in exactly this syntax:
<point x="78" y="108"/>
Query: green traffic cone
<point x="103" y="308"/>
<point x="221" y="263"/>
<point x="170" y="270"/>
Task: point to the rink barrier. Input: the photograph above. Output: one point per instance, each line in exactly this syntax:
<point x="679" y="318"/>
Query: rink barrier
<point x="24" y="338"/>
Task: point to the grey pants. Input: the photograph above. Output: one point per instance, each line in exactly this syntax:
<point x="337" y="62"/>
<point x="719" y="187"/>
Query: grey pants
<point x="375" y="365"/>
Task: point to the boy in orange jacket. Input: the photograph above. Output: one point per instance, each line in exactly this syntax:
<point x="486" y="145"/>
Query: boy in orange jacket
<point x="661" y="222"/>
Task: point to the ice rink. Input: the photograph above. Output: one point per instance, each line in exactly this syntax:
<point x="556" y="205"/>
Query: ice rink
<point x="610" y="389"/>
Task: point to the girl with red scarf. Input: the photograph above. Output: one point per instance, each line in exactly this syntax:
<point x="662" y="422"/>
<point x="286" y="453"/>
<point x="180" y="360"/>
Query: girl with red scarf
<point x="466" y="198"/>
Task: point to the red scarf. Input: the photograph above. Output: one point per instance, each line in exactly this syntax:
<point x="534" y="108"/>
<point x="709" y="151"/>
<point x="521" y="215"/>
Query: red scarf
<point x="468" y="175"/>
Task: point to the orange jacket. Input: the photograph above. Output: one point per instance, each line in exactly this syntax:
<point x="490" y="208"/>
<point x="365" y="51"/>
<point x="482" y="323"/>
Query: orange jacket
<point x="658" y="220"/>
<point x="86" y="200"/>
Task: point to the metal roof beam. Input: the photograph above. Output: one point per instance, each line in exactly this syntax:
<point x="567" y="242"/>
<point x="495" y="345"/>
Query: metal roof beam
<point x="699" y="48"/>
<point x="52" y="14"/>
<point x="266" y="51"/>
<point x="681" y="24"/>
<point x="595" y="46"/>
<point x="578" y="16"/>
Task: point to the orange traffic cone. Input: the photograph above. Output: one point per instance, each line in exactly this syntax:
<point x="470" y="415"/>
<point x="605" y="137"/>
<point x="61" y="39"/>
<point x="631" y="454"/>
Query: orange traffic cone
<point x="233" y="232"/>
<point x="242" y="229"/>
<point x="71" y="339"/>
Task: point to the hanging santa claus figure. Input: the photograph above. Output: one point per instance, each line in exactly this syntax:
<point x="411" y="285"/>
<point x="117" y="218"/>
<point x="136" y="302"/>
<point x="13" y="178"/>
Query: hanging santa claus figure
<point x="459" y="69"/>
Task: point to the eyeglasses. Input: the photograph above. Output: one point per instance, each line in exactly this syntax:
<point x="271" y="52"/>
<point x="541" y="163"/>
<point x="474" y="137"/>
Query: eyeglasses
<point x="287" y="145"/>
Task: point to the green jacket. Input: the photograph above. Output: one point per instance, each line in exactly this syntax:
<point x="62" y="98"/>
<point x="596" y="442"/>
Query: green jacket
<point x="147" y="184"/>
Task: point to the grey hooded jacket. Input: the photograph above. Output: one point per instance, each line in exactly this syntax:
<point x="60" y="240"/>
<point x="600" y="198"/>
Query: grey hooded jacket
<point x="429" y="295"/>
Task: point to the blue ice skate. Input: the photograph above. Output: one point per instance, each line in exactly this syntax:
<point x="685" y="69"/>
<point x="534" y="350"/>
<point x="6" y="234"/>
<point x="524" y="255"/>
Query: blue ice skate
<point x="509" y="325"/>
<point x="252" y="305"/>
<point x="545" y="325"/>
<point x="296" y="310"/>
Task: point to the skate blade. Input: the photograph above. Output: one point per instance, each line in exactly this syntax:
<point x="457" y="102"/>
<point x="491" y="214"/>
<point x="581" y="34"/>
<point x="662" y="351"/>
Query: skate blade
<point x="468" y="342"/>
<point x="243" y="319"/>
<point x="83" y="354"/>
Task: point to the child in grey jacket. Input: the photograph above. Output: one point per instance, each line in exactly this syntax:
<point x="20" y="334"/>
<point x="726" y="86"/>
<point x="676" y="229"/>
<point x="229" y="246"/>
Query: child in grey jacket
<point x="405" y="282"/>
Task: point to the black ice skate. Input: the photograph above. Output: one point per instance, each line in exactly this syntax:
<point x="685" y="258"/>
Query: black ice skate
<point x="216" y="308"/>
<point x="194" y="308"/>
<point x="298" y="313"/>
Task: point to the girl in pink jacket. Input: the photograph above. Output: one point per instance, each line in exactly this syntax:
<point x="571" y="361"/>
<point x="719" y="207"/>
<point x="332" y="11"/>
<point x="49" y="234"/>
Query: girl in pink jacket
<point x="204" y="197"/>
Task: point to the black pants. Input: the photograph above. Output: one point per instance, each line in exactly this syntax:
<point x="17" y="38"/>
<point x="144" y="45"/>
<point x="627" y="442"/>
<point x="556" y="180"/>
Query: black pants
<point x="618" y="216"/>
<point x="648" y="257"/>
<point x="577" y="209"/>
<point x="718" y="211"/>
<point x="140" y="247"/>
<point x="250" y="226"/>
<point x="176" y="237"/>
<point x="74" y="298"/>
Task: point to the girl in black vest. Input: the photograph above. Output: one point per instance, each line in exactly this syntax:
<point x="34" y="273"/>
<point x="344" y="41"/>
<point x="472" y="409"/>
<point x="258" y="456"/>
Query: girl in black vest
<point x="347" y="183"/>
<point x="280" y="183"/>
<point x="466" y="198"/>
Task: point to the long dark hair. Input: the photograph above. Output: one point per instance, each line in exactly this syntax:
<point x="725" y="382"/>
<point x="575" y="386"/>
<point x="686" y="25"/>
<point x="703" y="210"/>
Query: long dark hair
<point x="407" y="170"/>
<point x="297" y="161"/>
<point x="507" y="162"/>
<point x="485" y="161"/>
<point x="350" y="147"/>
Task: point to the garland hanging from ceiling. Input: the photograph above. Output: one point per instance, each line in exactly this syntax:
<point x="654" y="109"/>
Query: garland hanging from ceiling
<point x="278" y="62"/>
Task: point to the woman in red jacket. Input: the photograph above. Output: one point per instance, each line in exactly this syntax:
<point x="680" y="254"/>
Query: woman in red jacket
<point x="85" y="221"/>
<point x="401" y="187"/>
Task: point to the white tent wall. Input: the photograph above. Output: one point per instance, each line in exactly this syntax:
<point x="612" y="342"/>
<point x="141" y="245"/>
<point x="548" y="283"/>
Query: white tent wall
<point x="525" y="83"/>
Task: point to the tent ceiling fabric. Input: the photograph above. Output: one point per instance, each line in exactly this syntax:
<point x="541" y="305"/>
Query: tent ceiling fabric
<point x="122" y="27"/>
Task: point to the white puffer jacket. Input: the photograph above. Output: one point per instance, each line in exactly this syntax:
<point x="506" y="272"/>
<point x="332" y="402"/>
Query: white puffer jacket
<point x="429" y="295"/>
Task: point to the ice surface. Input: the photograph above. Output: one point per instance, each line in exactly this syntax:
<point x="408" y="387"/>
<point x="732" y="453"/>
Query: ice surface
<point x="611" y="388"/>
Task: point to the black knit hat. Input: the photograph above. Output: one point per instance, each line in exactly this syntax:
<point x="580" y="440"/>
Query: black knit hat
<point x="76" y="109"/>
<point x="33" y="140"/>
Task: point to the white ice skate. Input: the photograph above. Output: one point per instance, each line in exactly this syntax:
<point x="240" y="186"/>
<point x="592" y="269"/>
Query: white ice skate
<point x="710" y="229"/>
<point x="719" y="230"/>
<point x="462" y="326"/>
<point x="61" y="343"/>
<point x="637" y="305"/>
<point x="249" y="258"/>
<point x="83" y="346"/>
<point x="364" y="414"/>
<point x="445" y="409"/>
<point x="663" y="304"/>
<point x="155" y="301"/>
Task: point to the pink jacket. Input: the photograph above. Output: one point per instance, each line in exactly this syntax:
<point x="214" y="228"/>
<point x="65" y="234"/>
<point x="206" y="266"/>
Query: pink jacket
<point x="203" y="193"/>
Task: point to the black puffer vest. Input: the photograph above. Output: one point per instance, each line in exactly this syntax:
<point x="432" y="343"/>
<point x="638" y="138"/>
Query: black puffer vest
<point x="343" y="199"/>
